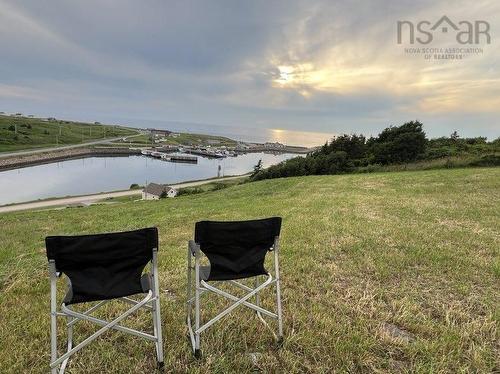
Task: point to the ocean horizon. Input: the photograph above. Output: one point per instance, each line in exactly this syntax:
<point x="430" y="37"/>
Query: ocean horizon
<point x="239" y="133"/>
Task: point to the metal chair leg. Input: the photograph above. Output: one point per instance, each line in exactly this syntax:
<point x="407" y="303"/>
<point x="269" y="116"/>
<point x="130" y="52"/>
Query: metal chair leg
<point x="53" y="314"/>
<point x="197" y="352"/>
<point x="156" y="311"/>
<point x="278" y="291"/>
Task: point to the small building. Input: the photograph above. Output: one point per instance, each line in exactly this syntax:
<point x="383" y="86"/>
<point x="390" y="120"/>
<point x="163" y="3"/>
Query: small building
<point x="159" y="132"/>
<point x="155" y="191"/>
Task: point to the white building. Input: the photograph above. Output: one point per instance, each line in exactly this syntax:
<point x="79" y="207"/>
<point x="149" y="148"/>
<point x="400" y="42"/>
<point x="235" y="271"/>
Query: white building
<point x="154" y="191"/>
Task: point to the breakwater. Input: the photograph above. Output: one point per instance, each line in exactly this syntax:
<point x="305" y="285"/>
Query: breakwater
<point x="16" y="162"/>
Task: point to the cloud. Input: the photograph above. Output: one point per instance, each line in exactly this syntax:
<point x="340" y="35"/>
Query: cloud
<point x="322" y="65"/>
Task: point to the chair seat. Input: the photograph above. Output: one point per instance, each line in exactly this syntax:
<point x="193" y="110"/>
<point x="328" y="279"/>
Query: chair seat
<point x="205" y="275"/>
<point x="146" y="282"/>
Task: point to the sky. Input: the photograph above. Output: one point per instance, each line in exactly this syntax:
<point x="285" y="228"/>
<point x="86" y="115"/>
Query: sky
<point x="325" y="67"/>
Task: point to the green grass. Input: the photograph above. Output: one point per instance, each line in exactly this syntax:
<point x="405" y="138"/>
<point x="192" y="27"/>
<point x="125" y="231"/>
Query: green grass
<point x="121" y="199"/>
<point x="35" y="133"/>
<point x="213" y="186"/>
<point x="186" y="139"/>
<point x="419" y="250"/>
<point x="463" y="161"/>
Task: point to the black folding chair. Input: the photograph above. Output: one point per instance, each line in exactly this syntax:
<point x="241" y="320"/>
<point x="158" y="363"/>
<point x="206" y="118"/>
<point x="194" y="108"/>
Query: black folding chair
<point x="101" y="268"/>
<point x="235" y="250"/>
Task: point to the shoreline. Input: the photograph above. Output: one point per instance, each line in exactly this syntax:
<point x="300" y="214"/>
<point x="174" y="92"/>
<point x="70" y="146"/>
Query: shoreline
<point x="90" y="199"/>
<point x="48" y="157"/>
<point x="12" y="163"/>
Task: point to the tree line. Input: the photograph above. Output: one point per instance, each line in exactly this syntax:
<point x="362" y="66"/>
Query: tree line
<point x="403" y="144"/>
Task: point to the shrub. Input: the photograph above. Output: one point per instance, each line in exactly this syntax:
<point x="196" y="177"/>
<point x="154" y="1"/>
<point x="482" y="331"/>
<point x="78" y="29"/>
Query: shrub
<point x="189" y="191"/>
<point x="393" y="149"/>
<point x="219" y="186"/>
<point x="401" y="144"/>
<point x="487" y="160"/>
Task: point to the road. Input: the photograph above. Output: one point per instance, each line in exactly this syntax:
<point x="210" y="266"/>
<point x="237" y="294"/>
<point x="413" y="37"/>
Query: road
<point x="42" y="150"/>
<point x="90" y="199"/>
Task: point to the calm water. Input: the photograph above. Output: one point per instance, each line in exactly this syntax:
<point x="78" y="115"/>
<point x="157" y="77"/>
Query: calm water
<point x="100" y="174"/>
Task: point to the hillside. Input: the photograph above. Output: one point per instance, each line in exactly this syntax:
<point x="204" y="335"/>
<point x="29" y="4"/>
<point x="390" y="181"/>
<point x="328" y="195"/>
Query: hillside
<point x="364" y="257"/>
<point x="18" y="133"/>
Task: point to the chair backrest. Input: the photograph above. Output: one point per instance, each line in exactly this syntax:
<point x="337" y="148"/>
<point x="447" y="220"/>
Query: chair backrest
<point x="103" y="266"/>
<point x="237" y="249"/>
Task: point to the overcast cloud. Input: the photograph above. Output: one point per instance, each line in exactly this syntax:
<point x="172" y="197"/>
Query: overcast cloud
<point x="324" y="66"/>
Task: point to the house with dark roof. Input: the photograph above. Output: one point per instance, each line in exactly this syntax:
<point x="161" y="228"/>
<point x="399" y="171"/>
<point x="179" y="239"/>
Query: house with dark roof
<point x="155" y="191"/>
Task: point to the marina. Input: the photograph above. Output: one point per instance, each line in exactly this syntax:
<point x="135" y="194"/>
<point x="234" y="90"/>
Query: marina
<point x="89" y="175"/>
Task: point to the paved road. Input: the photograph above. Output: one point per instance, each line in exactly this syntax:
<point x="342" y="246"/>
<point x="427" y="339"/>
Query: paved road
<point x="90" y="199"/>
<point x="41" y="150"/>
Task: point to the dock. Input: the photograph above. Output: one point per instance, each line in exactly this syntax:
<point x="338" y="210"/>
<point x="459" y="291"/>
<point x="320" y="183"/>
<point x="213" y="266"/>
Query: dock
<point x="203" y="153"/>
<point x="177" y="158"/>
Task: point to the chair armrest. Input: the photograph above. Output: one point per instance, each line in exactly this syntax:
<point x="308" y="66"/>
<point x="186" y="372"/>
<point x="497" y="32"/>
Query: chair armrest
<point x="275" y="245"/>
<point x="193" y="247"/>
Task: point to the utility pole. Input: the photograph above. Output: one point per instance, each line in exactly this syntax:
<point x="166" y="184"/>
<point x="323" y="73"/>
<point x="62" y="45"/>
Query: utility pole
<point x="60" y="130"/>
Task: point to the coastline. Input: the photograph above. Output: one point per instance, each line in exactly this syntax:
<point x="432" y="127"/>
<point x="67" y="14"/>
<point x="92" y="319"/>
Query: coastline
<point x="97" y="197"/>
<point x="18" y="162"/>
<point x="40" y="158"/>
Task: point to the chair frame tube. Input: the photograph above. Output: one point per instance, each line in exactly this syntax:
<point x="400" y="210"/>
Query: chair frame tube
<point x="151" y="302"/>
<point x="202" y="286"/>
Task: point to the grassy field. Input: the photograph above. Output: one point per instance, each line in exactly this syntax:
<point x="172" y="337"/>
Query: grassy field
<point x="18" y="133"/>
<point x="363" y="256"/>
<point x="185" y="139"/>
<point x="212" y="186"/>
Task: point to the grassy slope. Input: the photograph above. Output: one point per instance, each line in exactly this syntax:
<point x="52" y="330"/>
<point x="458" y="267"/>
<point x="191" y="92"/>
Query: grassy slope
<point x="186" y="139"/>
<point x="415" y="249"/>
<point x="43" y="134"/>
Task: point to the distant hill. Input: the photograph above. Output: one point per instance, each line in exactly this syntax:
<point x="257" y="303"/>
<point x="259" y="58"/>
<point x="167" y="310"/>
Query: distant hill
<point x="17" y="132"/>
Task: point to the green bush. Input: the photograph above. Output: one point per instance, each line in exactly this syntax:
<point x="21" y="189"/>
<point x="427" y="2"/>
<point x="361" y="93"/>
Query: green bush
<point x="487" y="160"/>
<point x="189" y="191"/>
<point x="393" y="149"/>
